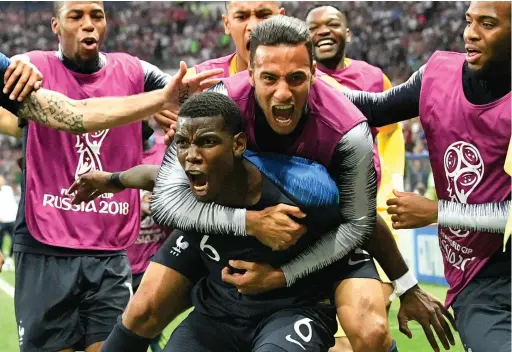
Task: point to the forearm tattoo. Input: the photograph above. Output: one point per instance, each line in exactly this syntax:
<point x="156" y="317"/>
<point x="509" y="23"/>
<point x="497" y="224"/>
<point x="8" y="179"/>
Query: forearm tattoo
<point x="183" y="93"/>
<point x="53" y="110"/>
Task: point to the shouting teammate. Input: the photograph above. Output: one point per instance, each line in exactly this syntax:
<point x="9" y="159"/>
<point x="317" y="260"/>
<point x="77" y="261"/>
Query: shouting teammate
<point x="210" y="144"/>
<point x="83" y="246"/>
<point x="467" y="142"/>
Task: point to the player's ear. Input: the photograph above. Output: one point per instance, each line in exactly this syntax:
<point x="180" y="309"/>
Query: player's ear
<point x="282" y="11"/>
<point x="349" y="35"/>
<point x="239" y="144"/>
<point x="55" y="26"/>
<point x="225" y="21"/>
<point x="251" y="74"/>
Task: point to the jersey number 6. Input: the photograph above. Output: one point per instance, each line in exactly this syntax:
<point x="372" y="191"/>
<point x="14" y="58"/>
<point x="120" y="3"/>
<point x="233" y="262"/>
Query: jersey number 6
<point x="213" y="254"/>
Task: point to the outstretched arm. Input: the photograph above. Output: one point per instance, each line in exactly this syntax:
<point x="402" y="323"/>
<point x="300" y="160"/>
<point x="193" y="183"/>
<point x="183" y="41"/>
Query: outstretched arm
<point x="57" y="111"/>
<point x="396" y="104"/>
<point x="96" y="183"/>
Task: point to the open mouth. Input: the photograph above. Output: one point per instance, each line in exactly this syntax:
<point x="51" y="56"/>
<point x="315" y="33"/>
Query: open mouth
<point x="472" y="54"/>
<point x="283" y="114"/>
<point x="198" y="182"/>
<point x="89" y="43"/>
<point x="325" y="44"/>
<point x="248" y="45"/>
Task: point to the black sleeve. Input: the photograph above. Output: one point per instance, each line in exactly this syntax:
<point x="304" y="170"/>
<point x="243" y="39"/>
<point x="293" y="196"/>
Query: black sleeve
<point x="396" y="104"/>
<point x="353" y="170"/>
<point x="154" y="78"/>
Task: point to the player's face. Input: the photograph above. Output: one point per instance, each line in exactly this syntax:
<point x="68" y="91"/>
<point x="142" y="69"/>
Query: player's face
<point x="207" y="153"/>
<point x="81" y="28"/>
<point x="487" y="34"/>
<point x="241" y="19"/>
<point x="282" y="77"/>
<point x="329" y="33"/>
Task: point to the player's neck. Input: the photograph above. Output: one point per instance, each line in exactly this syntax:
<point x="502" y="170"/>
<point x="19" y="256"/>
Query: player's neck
<point x="494" y="82"/>
<point x="242" y="186"/>
<point x="241" y="65"/>
<point x="334" y="64"/>
<point x="81" y="66"/>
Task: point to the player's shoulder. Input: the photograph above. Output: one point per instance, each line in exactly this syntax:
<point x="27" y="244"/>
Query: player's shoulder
<point x="446" y="55"/>
<point x="363" y="65"/>
<point x="238" y="85"/>
<point x="217" y="60"/>
<point x="120" y="56"/>
<point x="446" y="60"/>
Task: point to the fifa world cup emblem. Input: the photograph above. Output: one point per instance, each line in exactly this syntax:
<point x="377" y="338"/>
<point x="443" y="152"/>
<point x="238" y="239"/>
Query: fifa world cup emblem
<point x="88" y="148"/>
<point x="464" y="169"/>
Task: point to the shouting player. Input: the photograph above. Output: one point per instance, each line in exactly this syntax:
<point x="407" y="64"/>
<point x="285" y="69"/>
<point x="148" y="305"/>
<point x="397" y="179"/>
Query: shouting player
<point x="210" y="144"/>
<point x="83" y="246"/>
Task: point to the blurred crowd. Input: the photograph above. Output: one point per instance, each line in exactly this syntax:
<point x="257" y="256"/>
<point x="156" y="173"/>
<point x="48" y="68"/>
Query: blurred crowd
<point x="396" y="36"/>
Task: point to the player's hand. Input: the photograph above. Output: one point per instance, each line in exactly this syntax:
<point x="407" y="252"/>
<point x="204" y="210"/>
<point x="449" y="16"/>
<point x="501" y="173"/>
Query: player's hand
<point x="274" y="226"/>
<point x="179" y="89"/>
<point x="2" y="261"/>
<point x="168" y="121"/>
<point x="258" y="278"/>
<point x="21" y="78"/>
<point x="145" y="209"/>
<point x="90" y="186"/>
<point x="411" y="211"/>
<point x="418" y="305"/>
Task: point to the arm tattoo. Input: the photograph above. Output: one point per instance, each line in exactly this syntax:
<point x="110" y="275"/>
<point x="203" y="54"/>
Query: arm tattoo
<point x="183" y="93"/>
<point x="54" y="111"/>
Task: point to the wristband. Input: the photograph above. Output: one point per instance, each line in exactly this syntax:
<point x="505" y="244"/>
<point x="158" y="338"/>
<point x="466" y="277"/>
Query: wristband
<point x="403" y="284"/>
<point x="115" y="180"/>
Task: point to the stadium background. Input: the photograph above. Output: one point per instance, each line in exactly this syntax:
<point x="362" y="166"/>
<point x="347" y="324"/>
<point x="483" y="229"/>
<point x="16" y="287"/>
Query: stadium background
<point x="398" y="37"/>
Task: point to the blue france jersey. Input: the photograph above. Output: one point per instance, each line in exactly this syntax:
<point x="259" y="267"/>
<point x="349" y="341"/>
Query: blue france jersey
<point x="305" y="184"/>
<point x="4" y="63"/>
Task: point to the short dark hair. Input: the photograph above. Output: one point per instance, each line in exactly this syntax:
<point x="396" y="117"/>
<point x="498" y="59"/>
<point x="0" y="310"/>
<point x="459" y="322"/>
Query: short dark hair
<point x="279" y="30"/>
<point x="327" y="4"/>
<point x="212" y="104"/>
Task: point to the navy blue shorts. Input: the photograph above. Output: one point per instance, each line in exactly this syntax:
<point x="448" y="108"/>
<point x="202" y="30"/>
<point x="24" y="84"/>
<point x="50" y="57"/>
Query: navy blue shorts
<point x="64" y="302"/>
<point x="482" y="315"/>
<point x="291" y="330"/>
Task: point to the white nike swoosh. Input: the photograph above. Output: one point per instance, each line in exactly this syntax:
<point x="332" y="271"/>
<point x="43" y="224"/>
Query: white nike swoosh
<point x="354" y="262"/>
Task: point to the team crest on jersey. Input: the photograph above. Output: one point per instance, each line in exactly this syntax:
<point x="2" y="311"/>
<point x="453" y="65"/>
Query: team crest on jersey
<point x="181" y="245"/>
<point x="464" y="169"/>
<point x="88" y="148"/>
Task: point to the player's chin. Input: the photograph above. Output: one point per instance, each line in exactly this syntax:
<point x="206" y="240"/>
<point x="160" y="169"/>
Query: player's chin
<point x="478" y="68"/>
<point x="89" y="55"/>
<point x="203" y="196"/>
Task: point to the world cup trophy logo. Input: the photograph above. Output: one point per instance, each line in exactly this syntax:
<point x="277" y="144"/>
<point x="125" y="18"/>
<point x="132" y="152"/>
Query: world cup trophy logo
<point x="88" y="148"/>
<point x="464" y="169"/>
